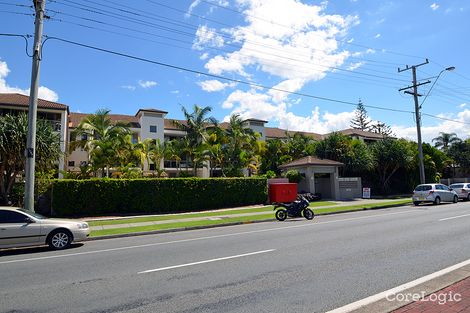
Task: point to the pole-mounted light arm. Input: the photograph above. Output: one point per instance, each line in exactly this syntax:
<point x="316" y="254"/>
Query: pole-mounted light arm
<point x="450" y="68"/>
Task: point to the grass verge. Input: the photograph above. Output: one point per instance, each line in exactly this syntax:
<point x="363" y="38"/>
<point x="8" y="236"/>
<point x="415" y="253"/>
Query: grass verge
<point x="228" y="220"/>
<point x="191" y="215"/>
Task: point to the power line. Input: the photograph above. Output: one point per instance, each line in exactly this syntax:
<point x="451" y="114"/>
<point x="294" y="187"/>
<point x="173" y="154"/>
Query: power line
<point x="132" y="10"/>
<point x="285" y="26"/>
<point x="217" y="76"/>
<point x="287" y="65"/>
<point x="25" y="37"/>
<point x="191" y="35"/>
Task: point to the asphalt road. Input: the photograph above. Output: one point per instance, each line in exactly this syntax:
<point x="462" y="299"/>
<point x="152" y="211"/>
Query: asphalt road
<point x="291" y="266"/>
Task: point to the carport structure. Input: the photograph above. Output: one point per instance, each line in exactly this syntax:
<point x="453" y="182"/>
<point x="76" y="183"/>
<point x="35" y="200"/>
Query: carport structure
<point x="320" y="176"/>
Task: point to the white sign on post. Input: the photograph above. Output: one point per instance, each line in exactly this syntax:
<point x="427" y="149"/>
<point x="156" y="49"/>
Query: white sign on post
<point x="366" y="193"/>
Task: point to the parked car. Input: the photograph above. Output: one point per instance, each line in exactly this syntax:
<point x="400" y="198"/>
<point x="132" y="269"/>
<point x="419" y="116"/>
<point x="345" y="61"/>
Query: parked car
<point x="20" y="228"/>
<point x="435" y="193"/>
<point x="463" y="190"/>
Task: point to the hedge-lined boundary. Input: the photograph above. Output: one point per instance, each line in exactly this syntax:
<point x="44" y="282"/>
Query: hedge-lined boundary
<point x="170" y="195"/>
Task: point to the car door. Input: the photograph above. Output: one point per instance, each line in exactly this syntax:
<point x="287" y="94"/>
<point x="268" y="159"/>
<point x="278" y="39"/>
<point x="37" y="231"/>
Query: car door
<point x="440" y="192"/>
<point x="448" y="195"/>
<point x="16" y="229"/>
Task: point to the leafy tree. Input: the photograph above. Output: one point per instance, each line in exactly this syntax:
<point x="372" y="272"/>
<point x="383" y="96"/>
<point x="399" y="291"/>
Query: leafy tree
<point x="13" y="135"/>
<point x="389" y="156"/>
<point x="239" y="140"/>
<point x="100" y="137"/>
<point x="195" y="126"/>
<point x="460" y="153"/>
<point x="382" y="128"/>
<point x="273" y="156"/>
<point x="361" y="120"/>
<point x="445" y="140"/>
<point x="335" y="147"/>
<point x="299" y="145"/>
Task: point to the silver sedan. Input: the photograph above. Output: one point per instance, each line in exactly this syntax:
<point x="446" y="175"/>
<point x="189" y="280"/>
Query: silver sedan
<point x="20" y="228"/>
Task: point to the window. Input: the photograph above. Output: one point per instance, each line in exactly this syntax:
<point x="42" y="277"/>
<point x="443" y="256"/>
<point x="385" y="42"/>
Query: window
<point x="84" y="136"/>
<point x="83" y="163"/>
<point x="439" y="187"/>
<point x="444" y="187"/>
<point x="12" y="217"/>
<point x="152" y="167"/>
<point x="72" y="163"/>
<point x="153" y="128"/>
<point x="423" y="188"/>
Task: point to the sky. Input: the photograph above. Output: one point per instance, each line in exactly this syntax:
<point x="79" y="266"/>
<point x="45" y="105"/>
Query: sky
<point x="327" y="54"/>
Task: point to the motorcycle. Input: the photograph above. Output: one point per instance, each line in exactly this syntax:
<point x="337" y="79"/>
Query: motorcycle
<point x="297" y="208"/>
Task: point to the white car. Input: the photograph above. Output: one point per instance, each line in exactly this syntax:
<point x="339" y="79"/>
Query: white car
<point x="435" y="193"/>
<point x="463" y="190"/>
<point x="20" y="228"/>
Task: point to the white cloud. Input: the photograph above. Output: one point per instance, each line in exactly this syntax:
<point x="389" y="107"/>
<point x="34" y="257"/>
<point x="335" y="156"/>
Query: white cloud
<point x="434" y="6"/>
<point x="128" y="87"/>
<point x="43" y="92"/>
<point x="429" y="132"/>
<point x="204" y="56"/>
<point x="214" y="85"/>
<point x="354" y="66"/>
<point x="175" y="92"/>
<point x="193" y="5"/>
<point x="462" y="105"/>
<point x="377" y="36"/>
<point x="301" y="45"/>
<point x="207" y="37"/>
<point x="147" y="83"/>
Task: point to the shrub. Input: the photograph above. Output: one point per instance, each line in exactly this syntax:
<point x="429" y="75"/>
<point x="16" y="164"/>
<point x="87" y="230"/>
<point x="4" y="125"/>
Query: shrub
<point x="157" y="196"/>
<point x="294" y="176"/>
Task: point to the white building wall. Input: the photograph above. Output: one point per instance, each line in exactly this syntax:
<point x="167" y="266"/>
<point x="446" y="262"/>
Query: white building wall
<point x="147" y="120"/>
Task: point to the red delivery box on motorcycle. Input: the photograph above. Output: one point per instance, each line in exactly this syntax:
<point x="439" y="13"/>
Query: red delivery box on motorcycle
<point x="282" y="192"/>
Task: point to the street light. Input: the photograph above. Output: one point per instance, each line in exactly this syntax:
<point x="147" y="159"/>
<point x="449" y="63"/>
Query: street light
<point x="418" y="125"/>
<point x="450" y="68"/>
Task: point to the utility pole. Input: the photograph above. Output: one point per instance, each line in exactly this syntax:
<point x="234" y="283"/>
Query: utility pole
<point x="30" y="152"/>
<point x="415" y="94"/>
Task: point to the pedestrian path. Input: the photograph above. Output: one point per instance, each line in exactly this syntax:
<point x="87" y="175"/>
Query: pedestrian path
<point x="453" y="299"/>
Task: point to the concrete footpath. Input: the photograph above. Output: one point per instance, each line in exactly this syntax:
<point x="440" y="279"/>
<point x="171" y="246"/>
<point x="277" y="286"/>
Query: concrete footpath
<point x="222" y="215"/>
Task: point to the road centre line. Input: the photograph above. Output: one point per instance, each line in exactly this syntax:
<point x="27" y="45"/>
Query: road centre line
<point x="204" y="238"/>
<point x="363" y="302"/>
<point x="206" y="261"/>
<point x="453" y="217"/>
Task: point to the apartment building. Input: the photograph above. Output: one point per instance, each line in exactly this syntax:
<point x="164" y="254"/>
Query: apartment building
<point x="56" y="113"/>
<point x="146" y="123"/>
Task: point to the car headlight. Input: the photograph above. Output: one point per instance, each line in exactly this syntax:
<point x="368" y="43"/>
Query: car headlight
<point x="82" y="226"/>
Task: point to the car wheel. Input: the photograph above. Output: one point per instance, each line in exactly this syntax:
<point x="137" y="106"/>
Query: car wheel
<point x="59" y="239"/>
<point x="437" y="201"/>
<point x="416" y="203"/>
<point x="281" y="215"/>
<point x="456" y="199"/>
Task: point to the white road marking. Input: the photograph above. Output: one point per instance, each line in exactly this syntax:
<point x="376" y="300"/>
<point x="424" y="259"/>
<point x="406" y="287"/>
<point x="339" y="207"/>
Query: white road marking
<point x="204" y="238"/>
<point x="453" y="217"/>
<point x="358" y="304"/>
<point x="206" y="261"/>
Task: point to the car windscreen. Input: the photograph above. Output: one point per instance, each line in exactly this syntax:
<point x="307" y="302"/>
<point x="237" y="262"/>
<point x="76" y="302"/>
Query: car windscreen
<point x="456" y="186"/>
<point x="423" y="188"/>
<point x="33" y="214"/>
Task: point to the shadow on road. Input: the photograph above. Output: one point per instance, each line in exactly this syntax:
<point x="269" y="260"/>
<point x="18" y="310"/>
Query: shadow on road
<point x="33" y="250"/>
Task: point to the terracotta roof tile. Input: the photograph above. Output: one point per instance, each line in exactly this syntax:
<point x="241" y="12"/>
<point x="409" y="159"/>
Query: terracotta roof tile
<point x="20" y="100"/>
<point x="310" y="160"/>
<point x="274" y="132"/>
<point x="76" y="118"/>
<point x="360" y="133"/>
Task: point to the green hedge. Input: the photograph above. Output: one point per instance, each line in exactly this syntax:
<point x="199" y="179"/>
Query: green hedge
<point x="96" y="197"/>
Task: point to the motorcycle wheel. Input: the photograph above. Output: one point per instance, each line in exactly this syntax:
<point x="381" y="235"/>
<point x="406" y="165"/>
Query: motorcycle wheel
<point x="308" y="214"/>
<point x="281" y="215"/>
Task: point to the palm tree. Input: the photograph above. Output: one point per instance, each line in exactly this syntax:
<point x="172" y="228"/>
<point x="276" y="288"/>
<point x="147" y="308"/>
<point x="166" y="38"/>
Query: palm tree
<point x="239" y="146"/>
<point x="445" y="140"/>
<point x="195" y="126"/>
<point x="99" y="136"/>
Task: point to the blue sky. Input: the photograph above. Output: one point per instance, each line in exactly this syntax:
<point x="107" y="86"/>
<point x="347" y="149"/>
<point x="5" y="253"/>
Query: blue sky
<point x="343" y="50"/>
